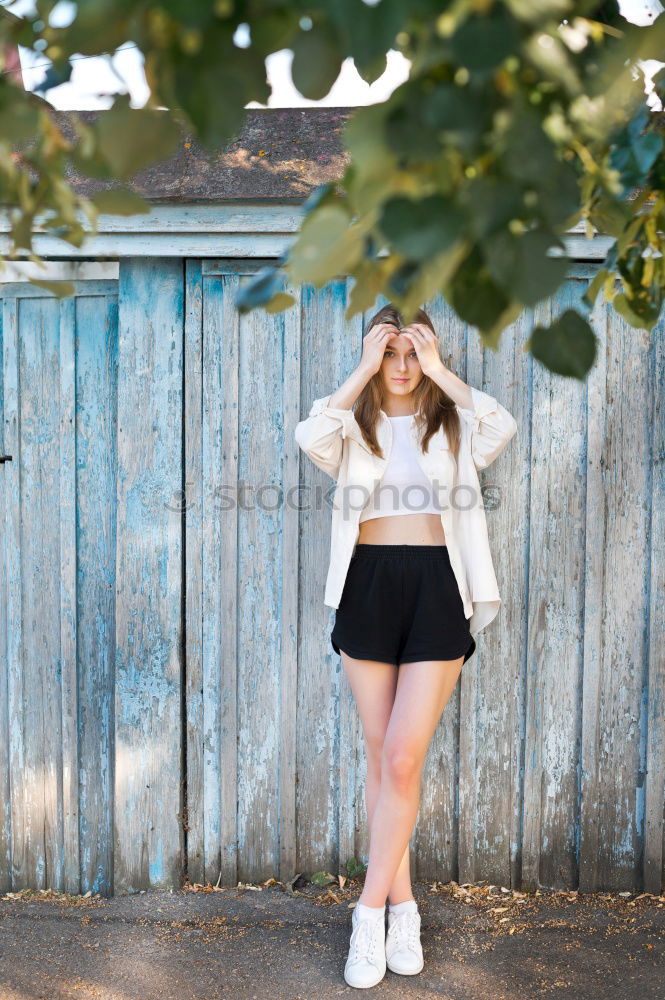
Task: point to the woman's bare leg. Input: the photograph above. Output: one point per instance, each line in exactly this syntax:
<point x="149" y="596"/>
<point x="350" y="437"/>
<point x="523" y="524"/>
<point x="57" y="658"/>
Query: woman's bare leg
<point x="374" y="685"/>
<point x="423" y="690"/>
<point x="400" y="889"/>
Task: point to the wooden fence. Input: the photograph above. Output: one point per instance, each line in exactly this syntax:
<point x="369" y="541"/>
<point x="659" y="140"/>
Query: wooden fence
<point x="170" y="702"/>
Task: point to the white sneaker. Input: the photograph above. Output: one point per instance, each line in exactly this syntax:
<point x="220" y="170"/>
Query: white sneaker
<point x="366" y="964"/>
<point x="404" y="953"/>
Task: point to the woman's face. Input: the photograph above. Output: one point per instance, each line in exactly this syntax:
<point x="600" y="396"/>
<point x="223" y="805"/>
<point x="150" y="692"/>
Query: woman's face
<point x="400" y="368"/>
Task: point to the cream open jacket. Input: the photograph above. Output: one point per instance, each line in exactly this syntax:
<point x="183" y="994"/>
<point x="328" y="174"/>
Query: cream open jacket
<point x="334" y="442"/>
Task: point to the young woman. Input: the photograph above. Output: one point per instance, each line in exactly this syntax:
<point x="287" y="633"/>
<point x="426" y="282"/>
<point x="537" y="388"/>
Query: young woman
<point x="411" y="579"/>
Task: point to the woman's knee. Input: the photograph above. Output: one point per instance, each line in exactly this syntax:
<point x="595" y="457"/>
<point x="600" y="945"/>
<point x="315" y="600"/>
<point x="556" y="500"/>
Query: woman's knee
<point x="400" y="765"/>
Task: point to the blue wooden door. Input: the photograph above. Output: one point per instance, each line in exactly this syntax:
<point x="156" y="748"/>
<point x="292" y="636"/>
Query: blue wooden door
<point x="57" y="585"/>
<point x="91" y="582"/>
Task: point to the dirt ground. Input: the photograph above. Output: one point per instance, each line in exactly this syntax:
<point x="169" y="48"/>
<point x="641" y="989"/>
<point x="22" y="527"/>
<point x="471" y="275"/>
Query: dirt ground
<point x="275" y="941"/>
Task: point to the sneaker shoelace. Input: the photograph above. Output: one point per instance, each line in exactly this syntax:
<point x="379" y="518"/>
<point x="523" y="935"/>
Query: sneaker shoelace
<point x="406" y="930"/>
<point x="364" y="940"/>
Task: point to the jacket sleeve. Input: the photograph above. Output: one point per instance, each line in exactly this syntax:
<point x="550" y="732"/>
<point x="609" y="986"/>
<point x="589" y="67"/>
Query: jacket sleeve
<point x="492" y="427"/>
<point x="321" y="435"/>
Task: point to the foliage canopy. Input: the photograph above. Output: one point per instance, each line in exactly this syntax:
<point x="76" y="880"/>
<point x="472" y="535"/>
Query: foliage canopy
<point x="519" y="119"/>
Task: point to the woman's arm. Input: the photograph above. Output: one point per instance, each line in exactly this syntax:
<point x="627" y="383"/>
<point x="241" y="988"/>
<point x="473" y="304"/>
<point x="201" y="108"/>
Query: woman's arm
<point x="330" y="420"/>
<point x="492" y="426"/>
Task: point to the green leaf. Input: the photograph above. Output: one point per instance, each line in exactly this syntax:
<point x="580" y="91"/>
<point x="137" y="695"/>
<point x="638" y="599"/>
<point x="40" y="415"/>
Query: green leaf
<point x="521" y="264"/>
<point x="491" y="335"/>
<point x="355" y="867"/>
<point x="402" y="279"/>
<point x="621" y="303"/>
<point x="473" y="294"/>
<point x="61" y="289"/>
<point x="635" y="151"/>
<point x="491" y="202"/>
<point x="213" y="88"/>
<point x="369" y="277"/>
<point x="120" y="201"/>
<point x="558" y="196"/>
<point x="538" y="10"/>
<point x="527" y="151"/>
<point x="371" y="71"/>
<point x="55" y="75"/>
<point x="420" y="228"/>
<point x="567" y="347"/>
<point x="322" y="878"/>
<point x="130" y="139"/>
<point x="461" y="116"/>
<point x="431" y="277"/>
<point x="273" y="30"/>
<point x="258" y="290"/>
<point x="610" y="215"/>
<point x="317" y="62"/>
<point x="279" y="302"/>
<point x="594" y="287"/>
<point x="327" y="246"/>
<point x="366" y="32"/>
<point x="370" y="175"/>
<point x="404" y="131"/>
<point x="320" y="194"/>
<point x="18" y="116"/>
<point x="485" y="40"/>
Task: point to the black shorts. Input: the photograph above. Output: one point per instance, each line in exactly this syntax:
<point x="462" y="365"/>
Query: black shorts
<point x="400" y="604"/>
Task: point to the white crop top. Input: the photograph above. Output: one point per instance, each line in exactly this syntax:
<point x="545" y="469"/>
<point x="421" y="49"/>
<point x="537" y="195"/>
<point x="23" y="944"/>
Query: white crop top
<point x="404" y="488"/>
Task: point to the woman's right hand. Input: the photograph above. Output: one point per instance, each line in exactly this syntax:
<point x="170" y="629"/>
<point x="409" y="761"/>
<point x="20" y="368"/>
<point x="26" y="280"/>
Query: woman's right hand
<point x="374" y="345"/>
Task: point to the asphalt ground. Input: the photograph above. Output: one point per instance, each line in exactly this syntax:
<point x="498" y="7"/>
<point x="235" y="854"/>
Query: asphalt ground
<point x="279" y="941"/>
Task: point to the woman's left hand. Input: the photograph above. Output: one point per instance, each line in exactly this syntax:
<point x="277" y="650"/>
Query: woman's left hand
<point x="426" y="346"/>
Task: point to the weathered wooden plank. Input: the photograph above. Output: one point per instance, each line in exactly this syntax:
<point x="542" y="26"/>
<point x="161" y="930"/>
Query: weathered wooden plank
<point x="51" y="567"/>
<point x="556" y="598"/>
<point x="35" y="664"/>
<point x="196" y="244"/>
<point x="232" y="217"/>
<point x="195" y="691"/>
<point x="654" y="800"/>
<point x="510" y="540"/>
<point x="220" y="448"/>
<point x="288" y="559"/>
<point x="351" y="766"/>
<point x="11" y="723"/>
<point x="435" y="839"/>
<point x="194" y="230"/>
<point x="67" y="875"/>
<point x="5" y="812"/>
<point x="261" y="391"/>
<point x="148" y="732"/>
<point x="23" y="289"/>
<point x="94" y="522"/>
<point x="617" y="784"/>
<point x="328" y="789"/>
<point x="490" y="707"/>
<point x="20" y="271"/>
<point x="245" y="216"/>
<point x="627" y="483"/>
<point x="594" y="596"/>
<point x="160" y="245"/>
